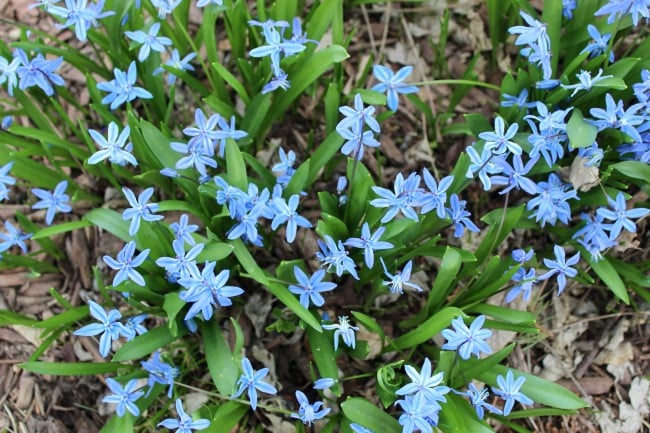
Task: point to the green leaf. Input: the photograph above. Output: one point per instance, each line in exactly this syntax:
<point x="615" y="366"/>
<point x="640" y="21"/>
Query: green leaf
<point x="144" y="345"/>
<point x="322" y="155"/>
<point x="581" y="134"/>
<point x="235" y="165"/>
<point x="72" y="368"/>
<point x="503" y="313"/>
<point x="540" y="390"/>
<point x="8" y="318"/>
<point x="289" y="299"/>
<point x="633" y="169"/>
<point x="323" y="352"/>
<point x="457" y="416"/>
<point x="221" y="362"/>
<point x="298" y="180"/>
<point x="47" y="232"/>
<point x="611" y="83"/>
<point x="426" y="330"/>
<point x="214" y="251"/>
<point x="226" y="417"/>
<point x="608" y="274"/>
<point x="233" y="81"/>
<point x="362" y="412"/>
<point x="447" y="274"/>
<point x="473" y="367"/>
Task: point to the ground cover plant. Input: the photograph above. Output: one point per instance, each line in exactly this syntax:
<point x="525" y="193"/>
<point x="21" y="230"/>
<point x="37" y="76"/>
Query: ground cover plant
<point x="391" y="292"/>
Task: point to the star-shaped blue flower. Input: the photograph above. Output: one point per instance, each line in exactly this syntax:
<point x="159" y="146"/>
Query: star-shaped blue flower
<point x="310" y="288"/>
<point x="124" y="396"/>
<point x="467" y="341"/>
<point x="56" y="201"/>
<point x="139" y="209"/>
<point x="393" y="83"/>
<point x="251" y="381"/>
<point x="125" y="265"/>
<point x="184" y="423"/>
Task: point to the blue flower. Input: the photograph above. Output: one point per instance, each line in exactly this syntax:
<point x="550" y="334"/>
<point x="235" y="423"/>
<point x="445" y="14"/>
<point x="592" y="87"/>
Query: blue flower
<point x="521" y="100"/>
<point x="401" y="199"/>
<point x="5" y="180"/>
<point x="551" y="201"/>
<point x="160" y="372"/>
<point x="182" y="230"/>
<point x="310" y="288"/>
<point x="114" y="146"/>
<point x="477" y="399"/>
<point x="109" y="327"/>
<point x="400" y="279"/>
<point x="616" y="9"/>
<point x="77" y="13"/>
<point x="54" y="202"/>
<point x="204" y="134"/>
<point x="333" y="254"/>
<point x="459" y="216"/>
<point x="499" y="141"/>
<point x="436" y="196"/>
<point x="139" y="209"/>
<point x="514" y="176"/>
<point x="418" y="414"/>
<point x="509" y="390"/>
<point x="13" y="237"/>
<point x="560" y="267"/>
<point x="228" y="130"/>
<point x="425" y="384"/>
<point x="177" y="63"/>
<point x="307" y="412"/>
<point x="39" y="72"/>
<point x="286" y="213"/>
<point x="392" y="83"/>
<point x="207" y="291"/>
<point x="585" y="81"/>
<point x="184" y="423"/>
<point x="122" y="88"/>
<point x="150" y="41"/>
<point x="134" y="323"/>
<point x="568" y="7"/>
<point x="279" y="81"/>
<point x="285" y="167"/>
<point x="324" y="383"/>
<point x="196" y="157"/>
<point x="356" y="139"/>
<point x="251" y="380"/>
<point x="356" y="428"/>
<point x="524" y="281"/>
<point x="164" y="7"/>
<point x="595" y="236"/>
<point x="467" y="341"/>
<point x="8" y="72"/>
<point x="275" y="47"/>
<point x="616" y="116"/>
<point x="370" y="243"/>
<point x="344" y="330"/>
<point x="126" y="264"/>
<point x="621" y="216"/>
<point x="204" y="3"/>
<point x="600" y="44"/>
<point x="359" y="115"/>
<point x="535" y="33"/>
<point x="124" y="396"/>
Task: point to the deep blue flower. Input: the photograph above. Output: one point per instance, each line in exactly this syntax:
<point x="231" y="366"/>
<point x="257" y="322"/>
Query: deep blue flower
<point x="13" y="237"/>
<point x="207" y="291"/>
<point x="150" y="41"/>
<point x="393" y="83"/>
<point x="126" y="264"/>
<point x="109" y="327"/>
<point x="122" y="88"/>
<point x="310" y="288"/>
<point x="370" y="243"/>
<point x="401" y="278"/>
<point x="160" y="372"/>
<point x="425" y="384"/>
<point x="124" y="396"/>
<point x="307" y="412"/>
<point x="251" y="381"/>
<point x="114" y="147"/>
<point x="56" y="201"/>
<point x="184" y="423"/>
<point x="560" y="267"/>
<point x="621" y="216"/>
<point x="509" y="390"/>
<point x="344" y="330"/>
<point x="139" y="209"/>
<point x="39" y="72"/>
<point x="467" y="341"/>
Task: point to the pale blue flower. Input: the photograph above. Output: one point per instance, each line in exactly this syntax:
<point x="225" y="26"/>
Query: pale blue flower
<point x="477" y="398"/>
<point x="467" y="341"/>
<point x="307" y="412"/>
<point x="344" y="330"/>
<point x="393" y="83"/>
<point x="160" y="372"/>
<point x="56" y="201"/>
<point x="114" y="147"/>
<point x="401" y="278"/>
<point x="122" y="88"/>
<point x="370" y="243"/>
<point x="182" y="230"/>
<point x="184" y="423"/>
<point x="251" y="381"/>
<point x="560" y="267"/>
<point x="126" y="264"/>
<point x="509" y="390"/>
<point x="207" y="291"/>
<point x="139" y="209"/>
<point x="425" y="384"/>
<point x="13" y="237"/>
<point x="124" y="396"/>
<point x="310" y="288"/>
<point x="109" y="327"/>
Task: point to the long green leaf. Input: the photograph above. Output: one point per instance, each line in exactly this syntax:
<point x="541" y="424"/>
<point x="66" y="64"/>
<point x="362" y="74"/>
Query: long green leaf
<point x="72" y="368"/>
<point x="221" y="362"/>
<point x="366" y="414"/>
<point x="426" y="330"/>
<point x="144" y="345"/>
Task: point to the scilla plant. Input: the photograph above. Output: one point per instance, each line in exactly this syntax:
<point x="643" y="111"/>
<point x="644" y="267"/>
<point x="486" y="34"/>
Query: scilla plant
<point x="174" y="124"/>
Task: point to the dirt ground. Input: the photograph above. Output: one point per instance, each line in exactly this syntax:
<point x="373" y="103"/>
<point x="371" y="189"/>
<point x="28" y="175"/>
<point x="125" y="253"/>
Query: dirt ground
<point x="588" y="342"/>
